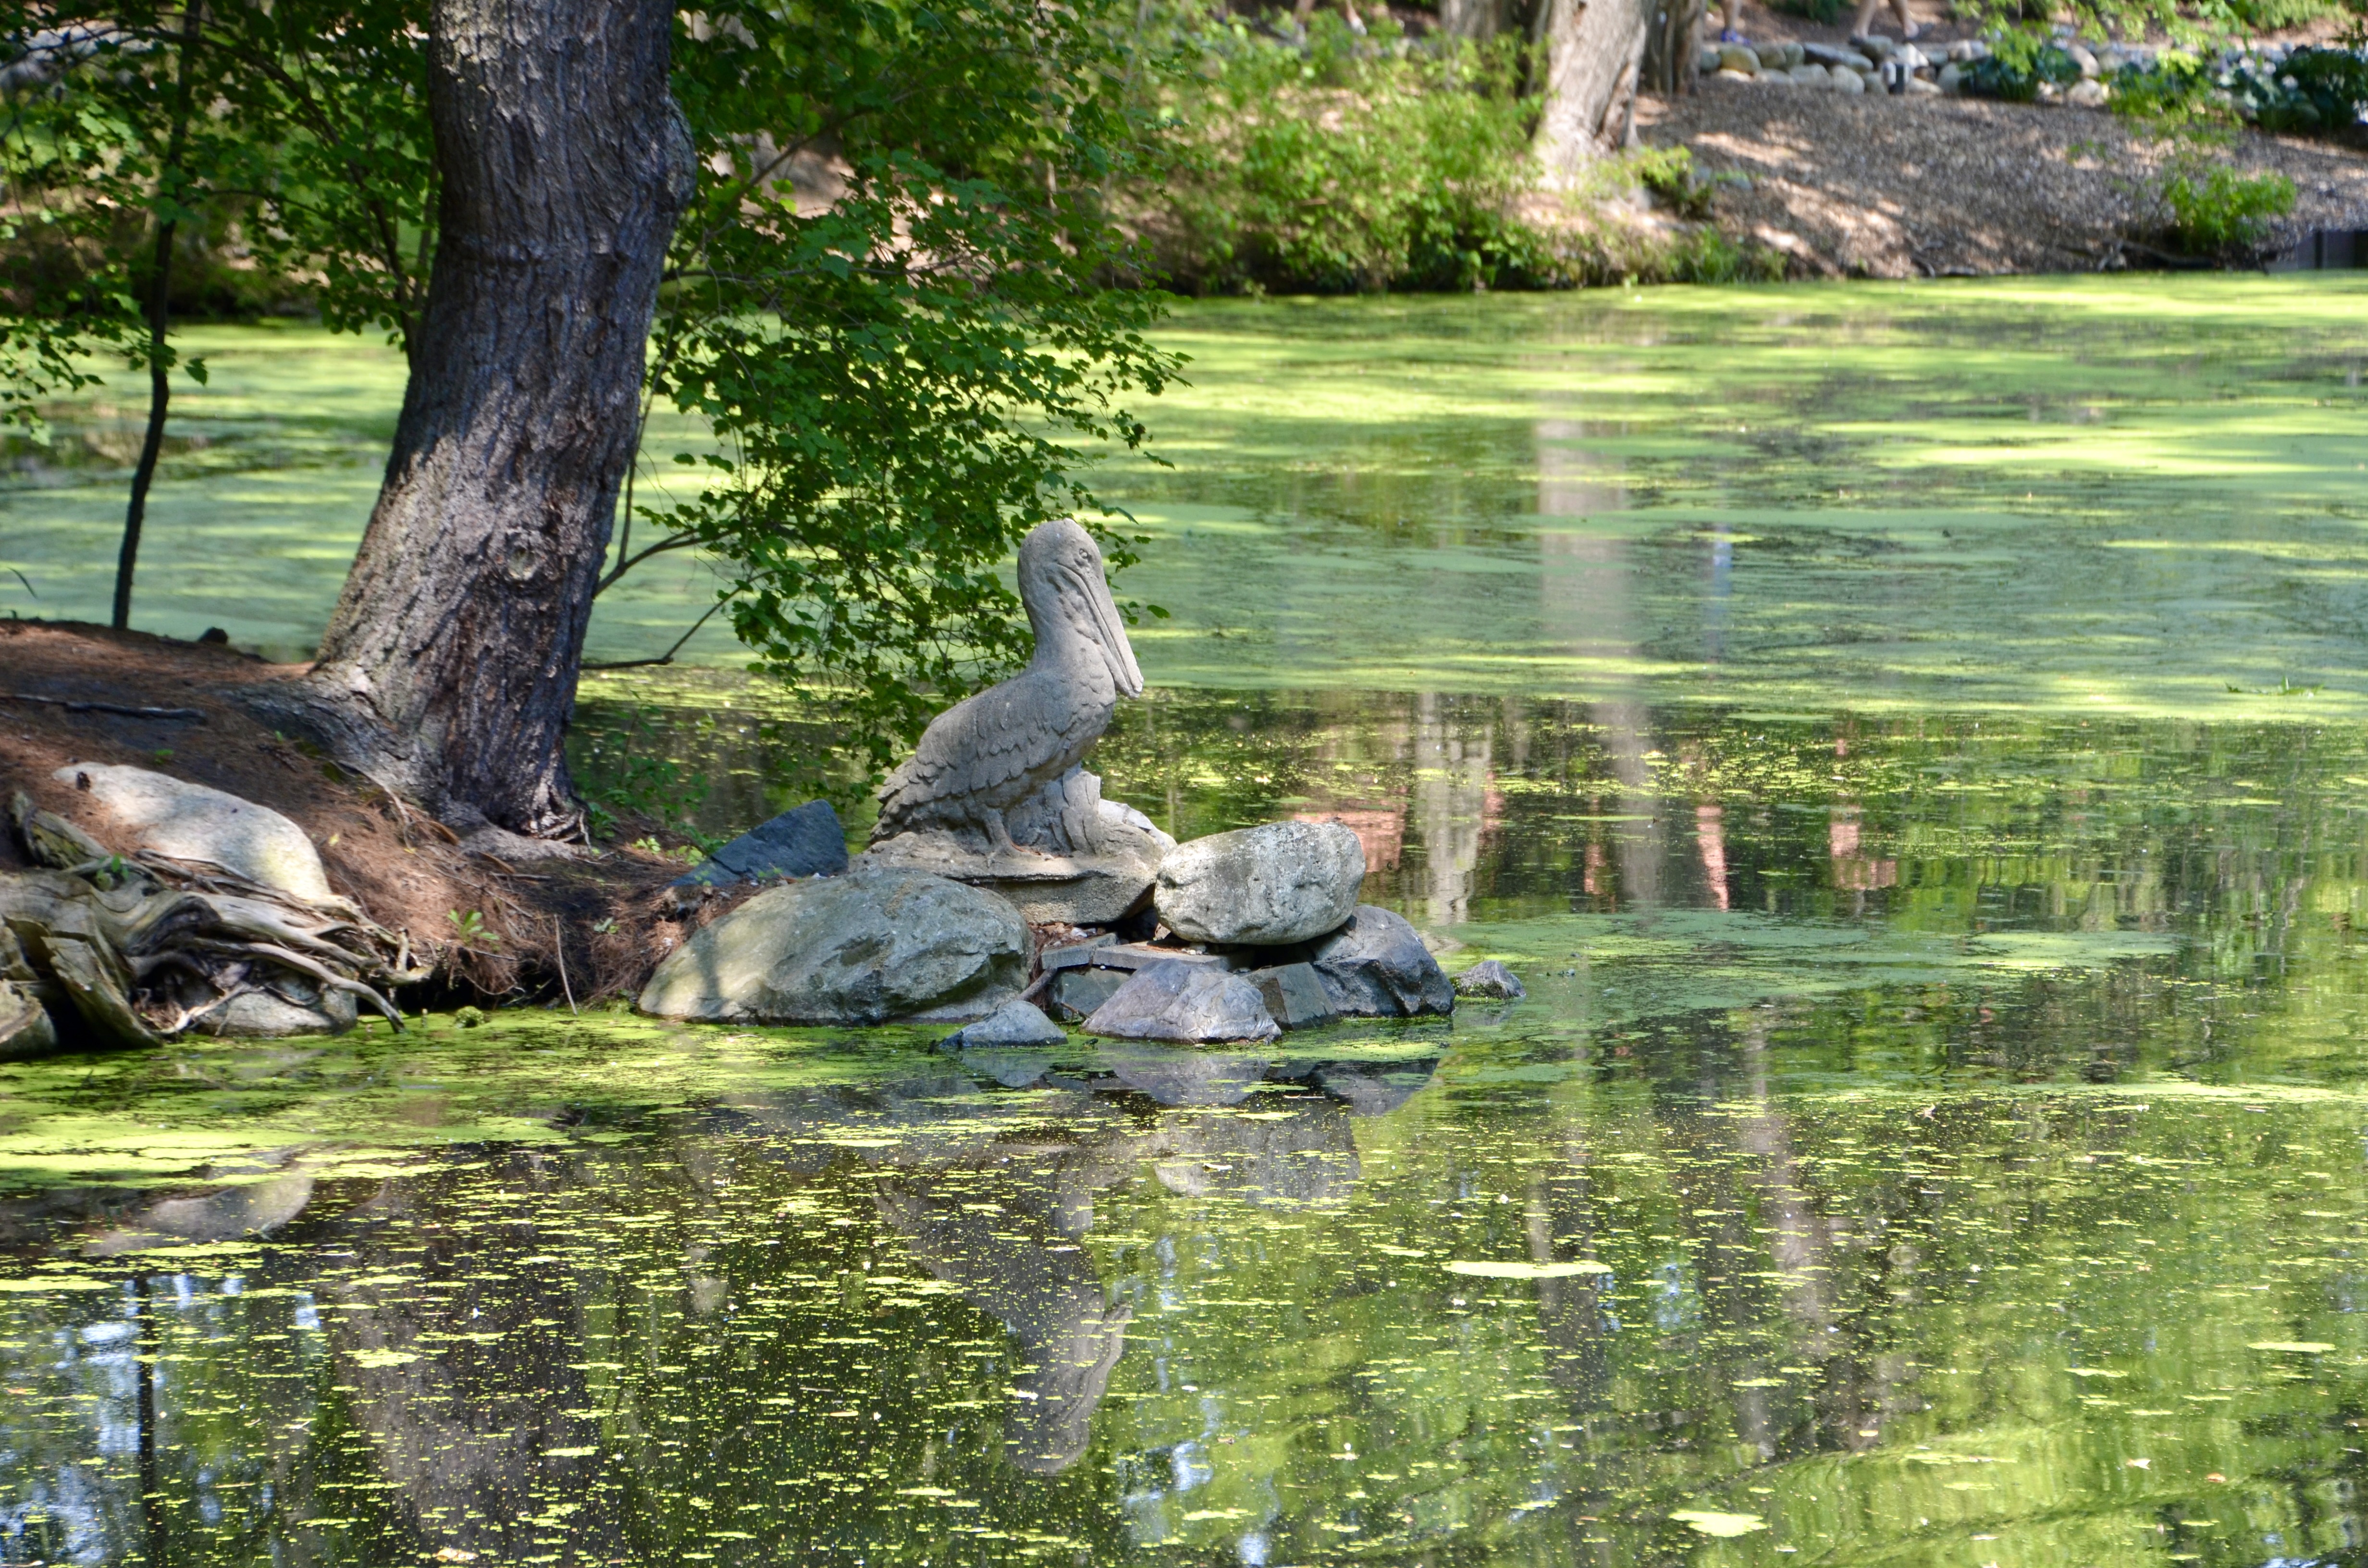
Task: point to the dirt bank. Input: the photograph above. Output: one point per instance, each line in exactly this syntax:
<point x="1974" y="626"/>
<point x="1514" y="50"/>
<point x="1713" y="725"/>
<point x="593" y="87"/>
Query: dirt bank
<point x="407" y="872"/>
<point x="1921" y="188"/>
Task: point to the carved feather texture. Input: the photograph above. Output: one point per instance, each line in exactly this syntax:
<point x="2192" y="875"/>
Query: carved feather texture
<point x="994" y="750"/>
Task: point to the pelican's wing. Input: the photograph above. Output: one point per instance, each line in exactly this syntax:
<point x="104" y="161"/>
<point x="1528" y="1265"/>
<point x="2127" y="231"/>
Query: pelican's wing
<point x="978" y="746"/>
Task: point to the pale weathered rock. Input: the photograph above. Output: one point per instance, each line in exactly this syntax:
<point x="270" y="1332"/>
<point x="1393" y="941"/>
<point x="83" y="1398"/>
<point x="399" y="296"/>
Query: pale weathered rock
<point x="1017" y="1022"/>
<point x="1295" y="993"/>
<point x="1739" y="57"/>
<point x="1377" y="966"/>
<point x="25" y="1027"/>
<point x="265" y="1014"/>
<point x="1847" y="81"/>
<point x="1089" y="887"/>
<point x="2088" y="93"/>
<point x="1491" y="981"/>
<point x="806" y="842"/>
<point x="190" y="822"/>
<point x="874" y="945"/>
<point x="1184" y="1002"/>
<point x="1268" y="886"/>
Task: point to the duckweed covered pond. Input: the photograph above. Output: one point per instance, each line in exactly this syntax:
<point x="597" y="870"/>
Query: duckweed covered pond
<point x="1937" y="1131"/>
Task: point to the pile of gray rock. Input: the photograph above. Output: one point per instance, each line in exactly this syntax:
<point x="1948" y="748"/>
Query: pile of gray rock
<point x="1884" y="66"/>
<point x="1852" y="70"/>
<point x="1250" y="933"/>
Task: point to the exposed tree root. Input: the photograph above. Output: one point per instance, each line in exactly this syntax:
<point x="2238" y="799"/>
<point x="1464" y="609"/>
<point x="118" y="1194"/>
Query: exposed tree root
<point x="128" y="950"/>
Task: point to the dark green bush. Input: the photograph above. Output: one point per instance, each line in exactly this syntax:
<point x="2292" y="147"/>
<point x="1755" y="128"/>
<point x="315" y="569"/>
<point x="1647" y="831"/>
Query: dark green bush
<point x="2312" y="90"/>
<point x="2016" y="67"/>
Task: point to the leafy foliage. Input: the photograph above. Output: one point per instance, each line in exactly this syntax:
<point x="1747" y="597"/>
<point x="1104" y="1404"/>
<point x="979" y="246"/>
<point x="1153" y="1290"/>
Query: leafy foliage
<point x="1349" y="163"/>
<point x="898" y="379"/>
<point x="2311" y="91"/>
<point x="2215" y="210"/>
<point x="888" y="300"/>
<point x="2017" y="66"/>
<point x="315" y="154"/>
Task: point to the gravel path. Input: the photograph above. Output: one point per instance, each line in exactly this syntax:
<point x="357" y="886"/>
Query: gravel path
<point x="1913" y="187"/>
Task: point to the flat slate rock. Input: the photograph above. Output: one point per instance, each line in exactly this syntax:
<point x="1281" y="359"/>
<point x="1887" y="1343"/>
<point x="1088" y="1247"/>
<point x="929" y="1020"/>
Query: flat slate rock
<point x="1490" y="981"/>
<point x="1142" y="955"/>
<point x="1077" y="992"/>
<point x="1070" y="955"/>
<point x="1187" y="1003"/>
<point x="804" y="842"/>
<point x="1376" y="967"/>
<point x="867" y="948"/>
<point x="1270" y="886"/>
<point x="1049" y="888"/>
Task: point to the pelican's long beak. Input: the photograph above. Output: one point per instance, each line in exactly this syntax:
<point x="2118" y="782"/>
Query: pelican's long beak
<point x="1110" y="629"/>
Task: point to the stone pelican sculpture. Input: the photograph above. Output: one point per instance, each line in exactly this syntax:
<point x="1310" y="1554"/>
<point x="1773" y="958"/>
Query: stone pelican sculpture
<point x="1014" y="748"/>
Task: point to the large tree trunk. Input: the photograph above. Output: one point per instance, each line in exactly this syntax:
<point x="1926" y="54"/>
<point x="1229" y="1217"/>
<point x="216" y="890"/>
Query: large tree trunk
<point x="449" y="666"/>
<point x="1594" y="49"/>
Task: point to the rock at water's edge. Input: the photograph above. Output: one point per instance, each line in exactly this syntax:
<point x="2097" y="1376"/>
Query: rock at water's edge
<point x="1017" y="1022"/>
<point x="1377" y="966"/>
<point x="190" y="822"/>
<point x="1295" y="993"/>
<point x="1490" y="981"/>
<point x="25" y="1026"/>
<point x="806" y="842"/>
<point x="1267" y="886"/>
<point x="1190" y="1003"/>
<point x="869" y="946"/>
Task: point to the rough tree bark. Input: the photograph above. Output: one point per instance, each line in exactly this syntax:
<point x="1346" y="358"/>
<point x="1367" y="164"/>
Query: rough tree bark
<point x="449" y="666"/>
<point x="1594" y="50"/>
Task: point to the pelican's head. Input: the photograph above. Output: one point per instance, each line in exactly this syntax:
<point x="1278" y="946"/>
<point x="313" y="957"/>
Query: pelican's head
<point x="1061" y="573"/>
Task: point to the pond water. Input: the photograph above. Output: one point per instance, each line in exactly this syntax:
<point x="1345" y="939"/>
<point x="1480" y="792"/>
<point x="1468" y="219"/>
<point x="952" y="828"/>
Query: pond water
<point x="1909" y="742"/>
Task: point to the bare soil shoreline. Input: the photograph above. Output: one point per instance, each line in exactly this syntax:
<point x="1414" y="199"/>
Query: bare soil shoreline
<point x="612" y="911"/>
<point x="1923" y="188"/>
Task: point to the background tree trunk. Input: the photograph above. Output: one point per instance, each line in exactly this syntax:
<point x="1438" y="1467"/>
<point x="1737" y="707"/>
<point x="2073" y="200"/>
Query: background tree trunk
<point x="449" y="666"/>
<point x="1669" y="68"/>
<point x="1593" y="52"/>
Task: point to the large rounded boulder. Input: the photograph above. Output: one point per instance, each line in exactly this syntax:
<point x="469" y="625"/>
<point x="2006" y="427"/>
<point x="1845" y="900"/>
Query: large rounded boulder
<point x="190" y="822"/>
<point x="867" y="948"/>
<point x="1268" y="887"/>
